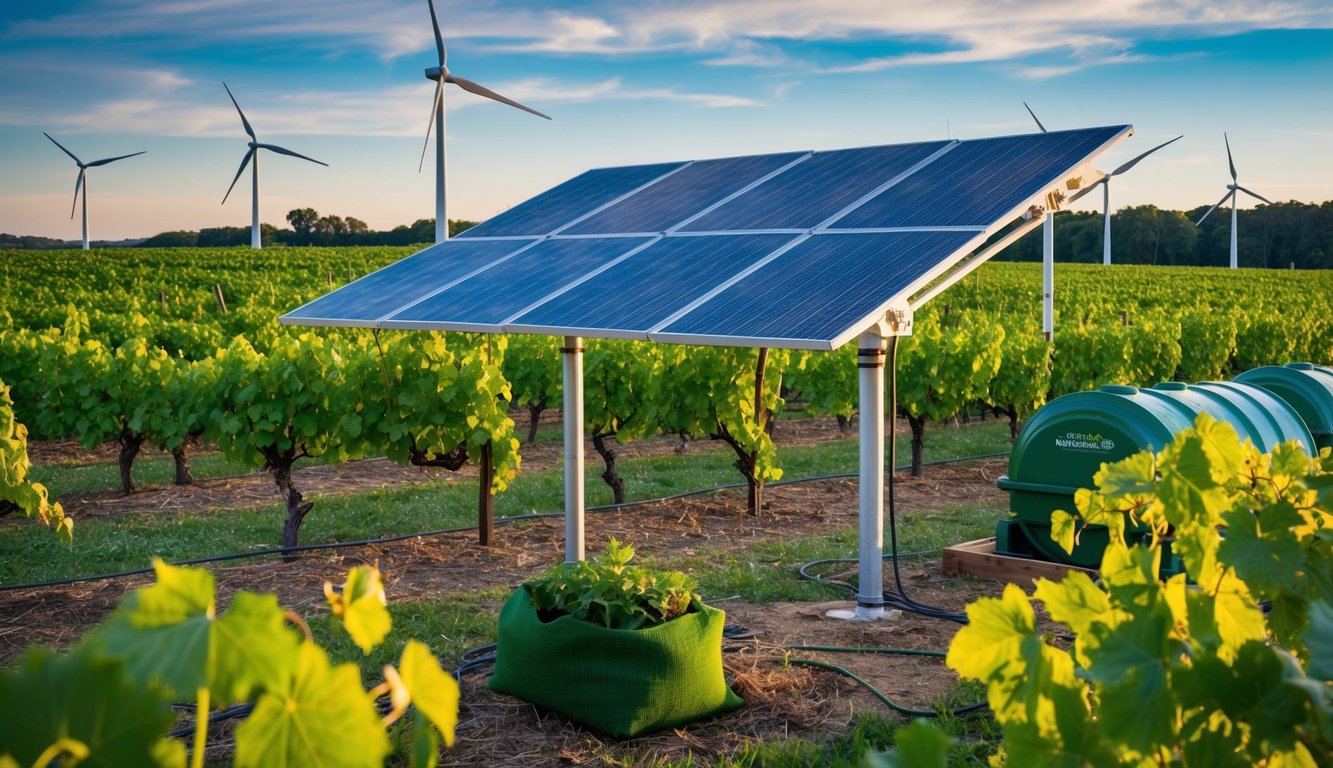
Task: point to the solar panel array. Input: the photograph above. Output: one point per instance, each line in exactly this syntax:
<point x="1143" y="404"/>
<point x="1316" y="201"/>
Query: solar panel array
<point x="799" y="249"/>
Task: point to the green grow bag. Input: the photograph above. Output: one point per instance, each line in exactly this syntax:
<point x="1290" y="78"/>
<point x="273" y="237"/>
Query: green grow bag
<point x="622" y="682"/>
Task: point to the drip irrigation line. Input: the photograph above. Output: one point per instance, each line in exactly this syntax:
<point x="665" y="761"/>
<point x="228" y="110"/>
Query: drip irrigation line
<point x="877" y="693"/>
<point x="502" y="521"/>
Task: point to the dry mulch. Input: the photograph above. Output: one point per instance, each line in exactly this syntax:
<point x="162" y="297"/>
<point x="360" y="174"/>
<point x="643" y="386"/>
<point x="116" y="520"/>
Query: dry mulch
<point x="784" y="701"/>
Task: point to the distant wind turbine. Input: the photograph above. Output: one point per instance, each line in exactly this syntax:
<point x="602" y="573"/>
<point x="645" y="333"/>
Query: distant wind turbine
<point x="80" y="183"/>
<point x="442" y="75"/>
<point x="253" y="154"/>
<point x="1232" y="189"/>
<point x="1105" y="181"/>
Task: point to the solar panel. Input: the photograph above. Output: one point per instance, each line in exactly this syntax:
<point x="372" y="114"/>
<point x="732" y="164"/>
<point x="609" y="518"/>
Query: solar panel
<point x="800" y="249"/>
<point x="646" y="288"/>
<point x="370" y="298"/>
<point x="683" y="194"/>
<point x="566" y="203"/>
<point x="960" y="187"/>
<point x="815" y="189"/>
<point x="817" y="290"/>
<point x="484" y="300"/>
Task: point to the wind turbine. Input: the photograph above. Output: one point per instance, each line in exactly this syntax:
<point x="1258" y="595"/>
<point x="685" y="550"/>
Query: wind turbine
<point x="80" y="183"/>
<point x="1232" y="189"/>
<point x="442" y="75"/>
<point x="253" y="153"/>
<point x="1105" y="181"/>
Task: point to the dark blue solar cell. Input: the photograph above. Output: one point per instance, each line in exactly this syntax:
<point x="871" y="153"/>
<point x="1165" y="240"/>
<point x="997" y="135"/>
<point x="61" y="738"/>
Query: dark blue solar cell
<point x="822" y="288"/>
<point x="977" y="182"/>
<point x="808" y="193"/>
<point x="682" y="194"/>
<point x="577" y="197"/>
<point x="496" y="294"/>
<point x="645" y="289"/>
<point x="403" y="282"/>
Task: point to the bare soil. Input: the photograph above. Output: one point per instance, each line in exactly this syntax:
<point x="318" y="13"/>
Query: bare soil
<point x="784" y="700"/>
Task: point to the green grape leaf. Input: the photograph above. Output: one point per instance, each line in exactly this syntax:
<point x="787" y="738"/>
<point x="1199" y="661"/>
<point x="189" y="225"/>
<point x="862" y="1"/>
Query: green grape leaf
<point x="1074" y="601"/>
<point x="1210" y="739"/>
<point x="162" y="631"/>
<point x="433" y="693"/>
<point x="88" y="699"/>
<point x="1064" y="529"/>
<point x="1129" y="661"/>
<point x="1263" y="688"/>
<point x="1262" y="549"/>
<point x="251" y="647"/>
<point x="362" y="606"/>
<point x="323" y="717"/>
<point x="993" y="634"/>
<point x="919" y="745"/>
<point x="1318" y="639"/>
<point x="1073" y="741"/>
<point x="1134" y="475"/>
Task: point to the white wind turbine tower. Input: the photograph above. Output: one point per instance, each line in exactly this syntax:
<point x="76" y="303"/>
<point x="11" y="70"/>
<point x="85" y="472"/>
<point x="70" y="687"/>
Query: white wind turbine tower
<point x="81" y="183"/>
<point x="1232" y="189"/>
<point x="253" y="154"/>
<point x="1105" y="181"/>
<point x="442" y="75"/>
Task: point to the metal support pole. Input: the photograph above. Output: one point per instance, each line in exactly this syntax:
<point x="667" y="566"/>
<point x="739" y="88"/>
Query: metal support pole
<point x="1106" y="222"/>
<point x="1048" y="276"/>
<point x="572" y="355"/>
<point x="85" y="210"/>
<point x="870" y="571"/>
<point x="441" y="166"/>
<point x="1235" y="252"/>
<point x="254" y="202"/>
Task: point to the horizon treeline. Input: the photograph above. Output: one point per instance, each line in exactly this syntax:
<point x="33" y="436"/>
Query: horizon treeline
<point x="1288" y="235"/>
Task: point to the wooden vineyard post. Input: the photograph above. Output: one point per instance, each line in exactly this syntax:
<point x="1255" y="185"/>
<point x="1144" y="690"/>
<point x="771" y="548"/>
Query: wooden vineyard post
<point x="485" y="499"/>
<point x="217" y="293"/>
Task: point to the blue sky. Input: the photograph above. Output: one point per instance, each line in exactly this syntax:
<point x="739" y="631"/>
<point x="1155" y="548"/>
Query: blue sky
<point x="627" y="82"/>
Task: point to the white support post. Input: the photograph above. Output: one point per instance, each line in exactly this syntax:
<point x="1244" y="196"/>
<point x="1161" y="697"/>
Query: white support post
<point x="1236" y="260"/>
<point x="255" y="240"/>
<point x="441" y="169"/>
<point x="572" y="355"/>
<point x="1106" y="222"/>
<point x="1048" y="276"/>
<point x="85" y="210"/>
<point x="870" y="569"/>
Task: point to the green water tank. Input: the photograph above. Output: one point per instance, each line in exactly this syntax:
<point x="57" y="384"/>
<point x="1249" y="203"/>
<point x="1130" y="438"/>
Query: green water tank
<point x="1307" y="388"/>
<point x="1065" y="443"/>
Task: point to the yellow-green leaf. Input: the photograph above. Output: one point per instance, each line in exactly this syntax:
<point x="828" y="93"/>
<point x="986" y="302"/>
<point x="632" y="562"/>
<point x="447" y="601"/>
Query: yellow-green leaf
<point x="362" y="606"/>
<point x="434" y="693"/>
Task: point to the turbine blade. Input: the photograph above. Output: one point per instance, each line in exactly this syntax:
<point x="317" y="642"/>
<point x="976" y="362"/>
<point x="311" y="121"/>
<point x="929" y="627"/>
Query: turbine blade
<point x="439" y="40"/>
<point x="1136" y="160"/>
<point x="96" y="163"/>
<point x="436" y="105"/>
<point x="1086" y="189"/>
<point x="285" y="151"/>
<point x="1034" y="117"/>
<point x="78" y="183"/>
<point x="482" y="90"/>
<point x="244" y="122"/>
<point x="1252" y="193"/>
<point x="244" y="162"/>
<point x="1229" y="193"/>
<point x="1230" y="162"/>
<point x="62" y="148"/>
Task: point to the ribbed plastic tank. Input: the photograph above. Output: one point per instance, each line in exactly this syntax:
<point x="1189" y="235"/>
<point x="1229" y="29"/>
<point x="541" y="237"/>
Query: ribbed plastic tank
<point x="1065" y="443"/>
<point x="1307" y="388"/>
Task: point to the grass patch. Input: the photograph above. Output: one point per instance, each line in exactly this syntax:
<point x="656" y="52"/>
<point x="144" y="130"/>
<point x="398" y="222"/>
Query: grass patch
<point x="29" y="553"/>
<point x="149" y="469"/>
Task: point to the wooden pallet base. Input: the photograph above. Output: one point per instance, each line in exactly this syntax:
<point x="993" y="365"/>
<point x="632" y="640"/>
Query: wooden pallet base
<point x="978" y="558"/>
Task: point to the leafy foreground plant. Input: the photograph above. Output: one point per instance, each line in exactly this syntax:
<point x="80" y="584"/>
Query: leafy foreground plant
<point x="108" y="703"/>
<point x="1164" y="673"/>
<point x="624" y="649"/>
<point x="17" y="492"/>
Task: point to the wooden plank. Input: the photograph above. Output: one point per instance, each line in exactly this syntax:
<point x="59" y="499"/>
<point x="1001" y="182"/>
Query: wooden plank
<point x="978" y="558"/>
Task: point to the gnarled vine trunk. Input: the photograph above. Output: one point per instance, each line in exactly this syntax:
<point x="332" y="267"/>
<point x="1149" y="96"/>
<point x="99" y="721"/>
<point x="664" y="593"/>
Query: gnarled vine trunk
<point x="609" y="475"/>
<point x="918" y="424"/>
<point x="130" y="443"/>
<point x="279" y="466"/>
<point x="181" y="456"/>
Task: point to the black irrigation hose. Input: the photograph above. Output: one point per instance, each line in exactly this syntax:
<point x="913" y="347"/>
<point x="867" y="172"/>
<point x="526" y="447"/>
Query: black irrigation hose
<point x="507" y="520"/>
<point x="877" y="693"/>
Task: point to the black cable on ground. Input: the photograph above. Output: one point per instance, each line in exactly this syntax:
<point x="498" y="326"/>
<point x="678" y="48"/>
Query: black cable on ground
<point x="877" y="693"/>
<point x="507" y="520"/>
<point x="900" y="599"/>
